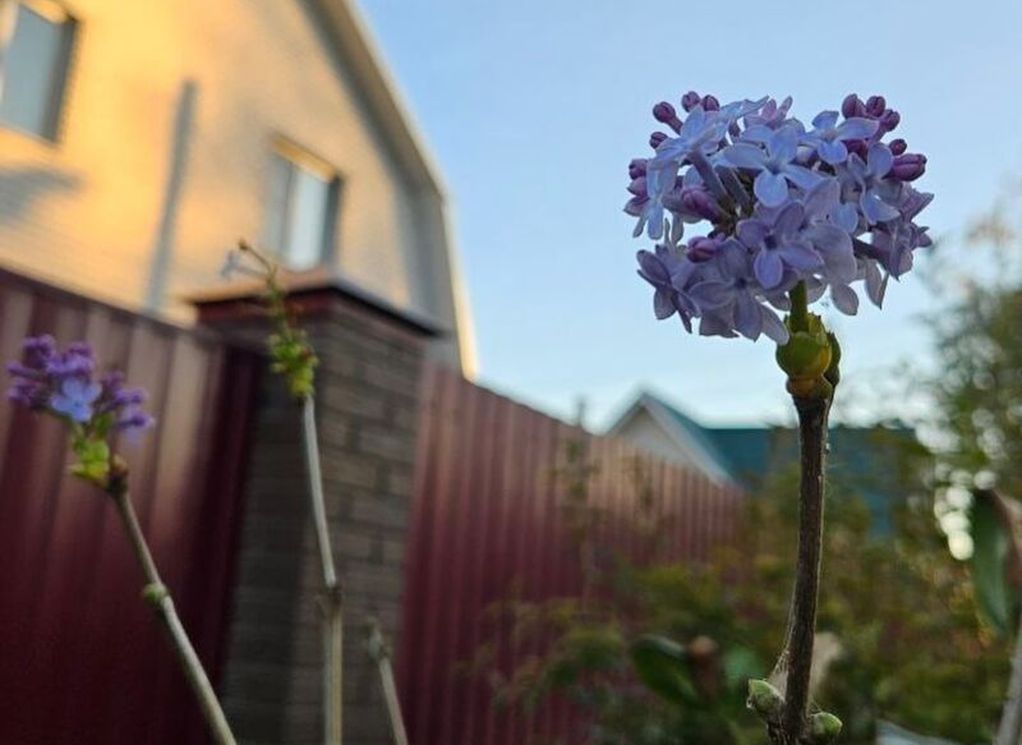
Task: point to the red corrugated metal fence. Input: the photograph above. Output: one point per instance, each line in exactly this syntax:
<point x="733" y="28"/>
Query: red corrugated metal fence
<point x="489" y="520"/>
<point x="82" y="660"/>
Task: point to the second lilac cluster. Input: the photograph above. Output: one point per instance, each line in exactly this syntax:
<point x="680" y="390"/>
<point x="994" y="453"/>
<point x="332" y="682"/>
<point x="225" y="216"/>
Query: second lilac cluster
<point x="830" y="205"/>
<point x="64" y="384"/>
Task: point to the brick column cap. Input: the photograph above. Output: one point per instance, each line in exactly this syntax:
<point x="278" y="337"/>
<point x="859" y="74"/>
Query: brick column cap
<point x="309" y="293"/>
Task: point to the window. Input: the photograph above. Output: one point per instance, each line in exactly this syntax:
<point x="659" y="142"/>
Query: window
<point x="302" y="207"/>
<point x="35" y="46"/>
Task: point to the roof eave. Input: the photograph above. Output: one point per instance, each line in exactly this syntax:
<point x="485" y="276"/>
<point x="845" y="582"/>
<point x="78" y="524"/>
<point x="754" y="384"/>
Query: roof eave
<point x="362" y="55"/>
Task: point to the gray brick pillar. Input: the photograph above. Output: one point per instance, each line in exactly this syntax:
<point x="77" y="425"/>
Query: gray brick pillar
<point x="367" y="398"/>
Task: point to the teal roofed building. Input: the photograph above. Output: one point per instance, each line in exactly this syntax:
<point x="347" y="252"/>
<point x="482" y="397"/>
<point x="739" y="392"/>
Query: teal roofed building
<point x="869" y="459"/>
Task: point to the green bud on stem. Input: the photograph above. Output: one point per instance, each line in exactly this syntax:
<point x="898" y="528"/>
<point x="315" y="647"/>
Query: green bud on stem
<point x="823" y="728"/>
<point x="765" y="700"/>
<point x="154" y="593"/>
<point x="811" y="356"/>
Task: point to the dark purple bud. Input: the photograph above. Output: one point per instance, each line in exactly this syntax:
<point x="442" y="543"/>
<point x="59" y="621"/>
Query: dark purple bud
<point x="702" y="249"/>
<point x="852" y="106"/>
<point x="664" y="113"/>
<point x="638" y="186"/>
<point x="690" y="100"/>
<point x="636" y="205"/>
<point x="656" y="138"/>
<point x="889" y="121"/>
<point x="138" y="420"/>
<point x="859" y="147"/>
<point x="897" y="146"/>
<point x="710" y="103"/>
<point x="699" y="202"/>
<point x="908" y="167"/>
<point x="636" y="168"/>
<point x="875" y="106"/>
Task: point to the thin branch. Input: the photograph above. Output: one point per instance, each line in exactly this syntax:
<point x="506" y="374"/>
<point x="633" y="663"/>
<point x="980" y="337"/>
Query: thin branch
<point x="332" y="605"/>
<point x="157" y="595"/>
<point x="379" y="652"/>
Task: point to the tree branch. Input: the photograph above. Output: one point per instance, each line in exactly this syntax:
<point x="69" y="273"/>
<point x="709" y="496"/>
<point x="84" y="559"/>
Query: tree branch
<point x="332" y="602"/>
<point x="157" y="595"/>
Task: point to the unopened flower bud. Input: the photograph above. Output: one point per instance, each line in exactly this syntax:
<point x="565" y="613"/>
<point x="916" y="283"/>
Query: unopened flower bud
<point x="908" y="167"/>
<point x="690" y="100"/>
<point x="897" y="146"/>
<point x="889" y="121"/>
<point x="765" y="700"/>
<point x="664" y="113"/>
<point x="702" y="248"/>
<point x="859" y="147"/>
<point x="710" y="103"/>
<point x="656" y="138"/>
<point x="699" y="202"/>
<point x="637" y="168"/>
<point x="852" y="106"/>
<point x="875" y="106"/>
<point x="638" y="186"/>
<point x="823" y="728"/>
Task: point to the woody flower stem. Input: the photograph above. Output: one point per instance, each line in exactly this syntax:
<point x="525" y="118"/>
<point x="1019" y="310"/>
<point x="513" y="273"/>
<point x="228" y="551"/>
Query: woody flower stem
<point x="158" y="597"/>
<point x="332" y="605"/>
<point x="810" y="358"/>
<point x="812" y="418"/>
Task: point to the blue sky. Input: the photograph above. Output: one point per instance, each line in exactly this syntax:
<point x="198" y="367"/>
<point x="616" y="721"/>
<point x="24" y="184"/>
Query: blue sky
<point x="534" y="108"/>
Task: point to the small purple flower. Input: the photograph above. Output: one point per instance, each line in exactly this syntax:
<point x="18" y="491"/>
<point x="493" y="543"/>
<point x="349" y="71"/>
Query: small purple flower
<point x="62" y="384"/>
<point x="828" y="137"/>
<point x="74" y="399"/>
<point x="777" y="242"/>
<point x="774" y="165"/>
<point x="873" y="192"/>
<point x="666" y="272"/>
<point x="771" y="116"/>
<point x="701" y="130"/>
<point x="728" y="298"/>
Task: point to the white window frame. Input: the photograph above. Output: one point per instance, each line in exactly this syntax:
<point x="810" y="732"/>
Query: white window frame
<point x="298" y="158"/>
<point x="56" y="13"/>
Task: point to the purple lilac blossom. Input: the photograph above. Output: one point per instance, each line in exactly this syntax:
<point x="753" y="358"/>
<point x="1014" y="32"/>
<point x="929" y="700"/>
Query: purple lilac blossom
<point x="63" y="384"/>
<point x="831" y="206"/>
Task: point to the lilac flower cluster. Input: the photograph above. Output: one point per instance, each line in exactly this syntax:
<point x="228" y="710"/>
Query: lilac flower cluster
<point x="829" y="205"/>
<point x="62" y="383"/>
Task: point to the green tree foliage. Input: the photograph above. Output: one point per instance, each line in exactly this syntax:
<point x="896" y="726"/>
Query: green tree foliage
<point x="907" y="643"/>
<point x="979" y="390"/>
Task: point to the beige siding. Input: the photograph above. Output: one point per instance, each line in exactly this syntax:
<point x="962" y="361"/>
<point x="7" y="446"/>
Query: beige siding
<point x="85" y="212"/>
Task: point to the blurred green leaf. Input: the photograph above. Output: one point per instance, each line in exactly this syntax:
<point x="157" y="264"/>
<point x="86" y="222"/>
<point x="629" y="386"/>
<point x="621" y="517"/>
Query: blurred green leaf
<point x="991" y="540"/>
<point x="740" y="664"/>
<point x="662" y="666"/>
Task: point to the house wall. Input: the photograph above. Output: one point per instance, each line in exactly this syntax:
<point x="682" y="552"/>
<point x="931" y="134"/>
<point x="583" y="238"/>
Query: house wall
<point x="645" y="433"/>
<point x="210" y="84"/>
